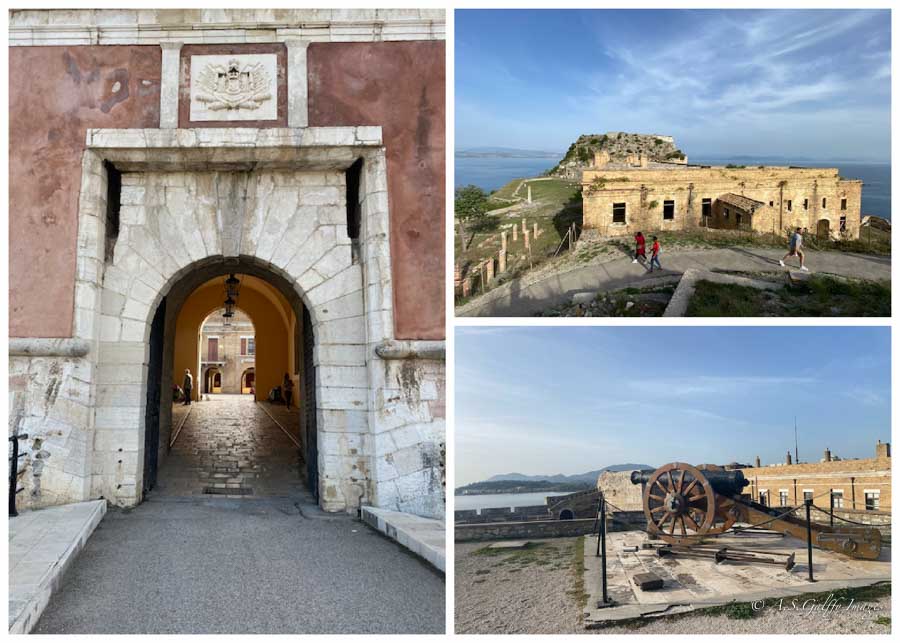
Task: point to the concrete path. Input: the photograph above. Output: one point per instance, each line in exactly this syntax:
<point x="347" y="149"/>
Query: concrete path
<point x="523" y="298"/>
<point x="425" y="537"/>
<point x="262" y="565"/>
<point x="42" y="545"/>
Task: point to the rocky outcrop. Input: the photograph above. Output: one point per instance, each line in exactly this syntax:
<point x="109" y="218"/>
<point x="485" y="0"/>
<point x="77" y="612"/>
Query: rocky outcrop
<point x="620" y="146"/>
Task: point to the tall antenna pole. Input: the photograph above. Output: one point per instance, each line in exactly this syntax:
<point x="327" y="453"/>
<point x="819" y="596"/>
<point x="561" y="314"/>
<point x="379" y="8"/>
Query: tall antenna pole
<point x="796" y="454"/>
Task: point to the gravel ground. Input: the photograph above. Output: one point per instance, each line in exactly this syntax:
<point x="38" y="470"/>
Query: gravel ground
<point x="517" y="592"/>
<point x="773" y="621"/>
<point x="535" y="592"/>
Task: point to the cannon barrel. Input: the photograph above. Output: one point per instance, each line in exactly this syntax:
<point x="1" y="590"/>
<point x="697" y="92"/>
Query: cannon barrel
<point x="724" y="482"/>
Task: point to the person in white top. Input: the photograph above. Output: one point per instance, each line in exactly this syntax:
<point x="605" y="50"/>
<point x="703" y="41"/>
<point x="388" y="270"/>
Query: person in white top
<point x="795" y="251"/>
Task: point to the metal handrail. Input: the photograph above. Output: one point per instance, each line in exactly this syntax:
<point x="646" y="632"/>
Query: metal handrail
<point x="14" y="472"/>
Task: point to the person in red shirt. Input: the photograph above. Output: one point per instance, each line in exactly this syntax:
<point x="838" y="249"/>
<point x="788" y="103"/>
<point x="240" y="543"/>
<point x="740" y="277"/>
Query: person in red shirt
<point x="654" y="255"/>
<point x="641" y="251"/>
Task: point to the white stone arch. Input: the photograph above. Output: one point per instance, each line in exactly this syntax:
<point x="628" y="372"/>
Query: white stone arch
<point x="348" y="295"/>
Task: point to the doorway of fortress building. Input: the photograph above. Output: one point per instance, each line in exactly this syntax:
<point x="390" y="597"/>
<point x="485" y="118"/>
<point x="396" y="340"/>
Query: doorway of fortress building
<point x="236" y="328"/>
<point x="823" y="229"/>
<point x="302" y="221"/>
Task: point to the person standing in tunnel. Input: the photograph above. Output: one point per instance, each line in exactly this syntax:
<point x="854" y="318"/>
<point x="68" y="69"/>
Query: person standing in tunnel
<point x="188" y="386"/>
<point x="288" y="386"/>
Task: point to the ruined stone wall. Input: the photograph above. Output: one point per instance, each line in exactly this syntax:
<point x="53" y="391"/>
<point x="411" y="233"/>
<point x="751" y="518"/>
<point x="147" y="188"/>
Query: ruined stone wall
<point x="783" y="192"/>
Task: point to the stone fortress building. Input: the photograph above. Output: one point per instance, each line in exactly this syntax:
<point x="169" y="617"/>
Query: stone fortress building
<point x="627" y="193"/>
<point x="155" y="152"/>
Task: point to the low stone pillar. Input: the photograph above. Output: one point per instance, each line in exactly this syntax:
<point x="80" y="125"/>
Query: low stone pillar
<point x="490" y="270"/>
<point x="537" y="232"/>
<point x="501" y="261"/>
<point x="503" y="241"/>
<point x="527" y="240"/>
<point x="467" y="286"/>
<point x="515" y="233"/>
<point x="524" y="226"/>
<point x="529" y="192"/>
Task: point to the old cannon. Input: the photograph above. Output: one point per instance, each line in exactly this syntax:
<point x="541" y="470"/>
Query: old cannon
<point x="683" y="504"/>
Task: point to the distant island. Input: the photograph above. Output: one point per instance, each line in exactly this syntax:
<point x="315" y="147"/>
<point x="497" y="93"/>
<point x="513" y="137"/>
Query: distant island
<point x="523" y="483"/>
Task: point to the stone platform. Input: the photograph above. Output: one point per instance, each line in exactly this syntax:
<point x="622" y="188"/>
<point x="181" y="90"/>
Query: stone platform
<point x="42" y="546"/>
<point x="692" y="583"/>
<point x="425" y="537"/>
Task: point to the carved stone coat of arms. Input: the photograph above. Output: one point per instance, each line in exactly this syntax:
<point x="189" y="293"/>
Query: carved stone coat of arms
<point x="233" y="86"/>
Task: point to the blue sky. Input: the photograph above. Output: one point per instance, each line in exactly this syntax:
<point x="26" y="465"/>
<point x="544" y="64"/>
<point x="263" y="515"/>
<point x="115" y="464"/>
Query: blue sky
<point x="812" y="83"/>
<point x="545" y="400"/>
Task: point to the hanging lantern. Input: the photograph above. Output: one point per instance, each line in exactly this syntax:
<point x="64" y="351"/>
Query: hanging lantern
<point x="231" y="286"/>
<point x="229" y="308"/>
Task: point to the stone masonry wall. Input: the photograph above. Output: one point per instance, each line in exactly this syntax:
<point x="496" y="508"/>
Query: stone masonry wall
<point x="50" y="401"/>
<point x="644" y="192"/>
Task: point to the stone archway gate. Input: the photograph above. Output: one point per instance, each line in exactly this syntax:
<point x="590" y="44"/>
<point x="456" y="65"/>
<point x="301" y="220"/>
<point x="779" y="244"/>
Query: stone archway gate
<point x="380" y="438"/>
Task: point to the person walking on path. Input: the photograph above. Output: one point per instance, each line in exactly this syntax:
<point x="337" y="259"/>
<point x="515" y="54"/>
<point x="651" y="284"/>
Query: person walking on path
<point x="795" y="251"/>
<point x="288" y="387"/>
<point x="640" y="253"/>
<point x="654" y="255"/>
<point x="188" y="385"/>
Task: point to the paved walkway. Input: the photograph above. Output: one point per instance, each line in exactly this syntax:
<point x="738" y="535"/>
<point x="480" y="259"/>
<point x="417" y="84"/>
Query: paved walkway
<point x="231" y="445"/>
<point x="42" y="545"/>
<point x="252" y="565"/>
<point x="521" y="298"/>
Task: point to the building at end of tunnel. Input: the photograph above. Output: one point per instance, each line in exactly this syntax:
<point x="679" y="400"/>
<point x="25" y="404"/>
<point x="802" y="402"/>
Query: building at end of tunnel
<point x="634" y="194"/>
<point x="158" y="152"/>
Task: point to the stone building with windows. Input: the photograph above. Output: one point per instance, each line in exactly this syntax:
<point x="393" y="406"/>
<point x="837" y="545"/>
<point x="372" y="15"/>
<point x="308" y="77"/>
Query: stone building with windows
<point x="157" y="152"/>
<point x="624" y="196"/>
<point x="227" y="354"/>
<point x="860" y="487"/>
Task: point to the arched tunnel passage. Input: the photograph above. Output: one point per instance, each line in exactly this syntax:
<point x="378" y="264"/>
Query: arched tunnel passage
<point x="228" y="443"/>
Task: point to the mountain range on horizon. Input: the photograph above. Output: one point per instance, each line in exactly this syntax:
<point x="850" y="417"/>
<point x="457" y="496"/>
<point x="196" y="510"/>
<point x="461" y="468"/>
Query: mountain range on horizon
<point x="589" y="476"/>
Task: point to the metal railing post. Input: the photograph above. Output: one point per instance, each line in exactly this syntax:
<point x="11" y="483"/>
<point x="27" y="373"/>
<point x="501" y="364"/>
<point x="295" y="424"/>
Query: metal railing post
<point x="808" y="504"/>
<point x="603" y="544"/>
<point x="14" y="472"/>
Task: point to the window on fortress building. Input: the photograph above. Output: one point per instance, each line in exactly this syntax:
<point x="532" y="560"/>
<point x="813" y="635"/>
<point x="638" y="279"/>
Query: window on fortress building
<point x="668" y="210"/>
<point x="764" y="498"/>
<point x="706" y="207"/>
<point x="843" y="224"/>
<point x="806" y="204"/>
<point x="790" y="205"/>
<point x="618" y="213"/>
<point x="771" y="204"/>
<point x="872" y="500"/>
<point x="843" y="204"/>
<point x="807" y="495"/>
<point x="823" y="202"/>
<point x="783" y="498"/>
<point x="838" y="498"/>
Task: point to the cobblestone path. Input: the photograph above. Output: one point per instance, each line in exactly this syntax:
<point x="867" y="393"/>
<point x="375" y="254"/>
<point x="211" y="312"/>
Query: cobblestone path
<point x="230" y="444"/>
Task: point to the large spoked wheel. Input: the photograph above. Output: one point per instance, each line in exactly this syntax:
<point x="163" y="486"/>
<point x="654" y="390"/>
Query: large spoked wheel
<point x="679" y="502"/>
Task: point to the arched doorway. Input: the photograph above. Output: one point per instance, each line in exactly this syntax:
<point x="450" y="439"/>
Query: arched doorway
<point x="248" y="378"/>
<point x="190" y="205"/>
<point x="212" y="380"/>
<point x="823" y="229"/>
<point x="566" y="514"/>
<point x="192" y="318"/>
